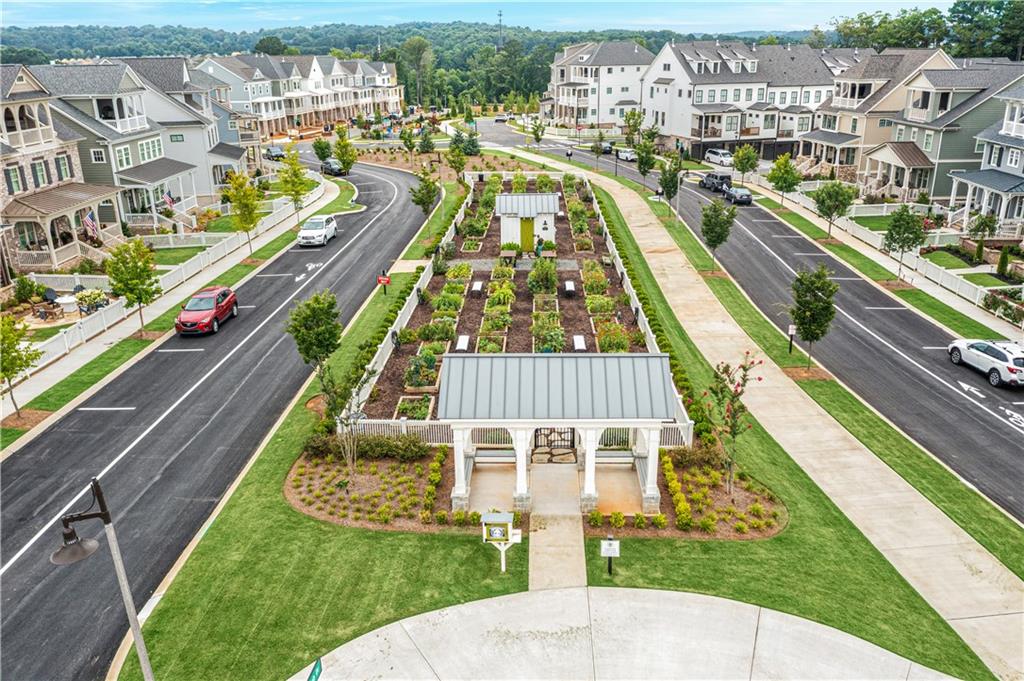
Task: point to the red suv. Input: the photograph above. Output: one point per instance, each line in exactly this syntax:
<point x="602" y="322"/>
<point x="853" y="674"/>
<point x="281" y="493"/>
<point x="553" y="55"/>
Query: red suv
<point x="205" y="311"/>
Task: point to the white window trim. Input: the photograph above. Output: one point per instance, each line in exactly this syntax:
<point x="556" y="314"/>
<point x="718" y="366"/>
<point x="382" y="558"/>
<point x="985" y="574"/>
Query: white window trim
<point x="979" y="146"/>
<point x="98" y="155"/>
<point x="14" y="174"/>
<point x="1013" y="158"/>
<point x="117" y="156"/>
<point x="928" y="141"/>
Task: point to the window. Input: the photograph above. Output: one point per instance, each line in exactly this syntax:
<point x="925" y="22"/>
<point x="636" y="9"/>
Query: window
<point x="782" y="98"/>
<point x="853" y="125"/>
<point x="913" y="134"/>
<point x="929" y="137"/>
<point x="611" y="111"/>
<point x="698" y="96"/>
<point x="99" y="156"/>
<point x="666" y="66"/>
<point x="793" y="96"/>
<point x="123" y="155"/>
<point x="884" y="123"/>
<point x="817" y="96"/>
<point x="150" y="149"/>
<point x="803" y="124"/>
<point x="39" y="174"/>
<point x="760" y="94"/>
<point x="724" y="95"/>
<point x="753" y="67"/>
<point x="622" y="112"/>
<point x="769" y="121"/>
<point x="609" y="69"/>
<point x="731" y="123"/>
<point x="750" y="94"/>
<point x="177" y="138"/>
<point x="1013" y="158"/>
<point x="828" y="94"/>
<point x="736" y="95"/>
<point x="771" y="97"/>
<point x="979" y="146"/>
<point x="593" y="112"/>
<point x="63" y="164"/>
<point x="607" y="90"/>
<point x="232" y="125"/>
<point x="652" y="91"/>
<point x="624" y="88"/>
<point x="13" y="176"/>
<point x="807" y="96"/>
<point x="899" y="133"/>
<point x="593" y="90"/>
<point x="711" y="95"/>
<point x="944" y="101"/>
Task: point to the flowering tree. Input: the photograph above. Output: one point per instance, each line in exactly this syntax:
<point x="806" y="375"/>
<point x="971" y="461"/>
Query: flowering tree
<point x="726" y="402"/>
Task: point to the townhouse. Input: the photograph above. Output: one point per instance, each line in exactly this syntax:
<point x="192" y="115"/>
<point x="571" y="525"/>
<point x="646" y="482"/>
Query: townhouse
<point x="50" y="214"/>
<point x="997" y="186"/>
<point x="858" y="116"/>
<point x="375" y="87"/>
<point x="712" y="94"/>
<point x="937" y="130"/>
<point x="595" y="83"/>
<point x="249" y="92"/>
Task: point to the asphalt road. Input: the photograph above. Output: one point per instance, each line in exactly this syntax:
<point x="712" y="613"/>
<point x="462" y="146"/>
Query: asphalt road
<point x="883" y="350"/>
<point x="199" y="407"/>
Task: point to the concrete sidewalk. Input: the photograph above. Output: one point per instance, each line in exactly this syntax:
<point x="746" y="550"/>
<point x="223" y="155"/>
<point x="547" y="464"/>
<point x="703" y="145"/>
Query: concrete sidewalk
<point x="611" y="633"/>
<point x="910" y="276"/>
<point x="85" y="353"/>
<point x="557" y="557"/>
<point x="979" y="597"/>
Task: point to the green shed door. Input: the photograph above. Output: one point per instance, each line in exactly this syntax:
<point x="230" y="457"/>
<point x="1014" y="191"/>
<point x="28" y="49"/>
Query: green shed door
<point x="526" y="239"/>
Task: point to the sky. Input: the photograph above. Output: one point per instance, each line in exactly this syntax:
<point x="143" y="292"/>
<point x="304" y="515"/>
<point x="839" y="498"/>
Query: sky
<point x="236" y="15"/>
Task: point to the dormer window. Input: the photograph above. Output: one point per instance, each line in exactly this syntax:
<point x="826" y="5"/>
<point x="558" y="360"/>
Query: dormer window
<point x="752" y="66"/>
<point x="735" y="67"/>
<point x="944" y="99"/>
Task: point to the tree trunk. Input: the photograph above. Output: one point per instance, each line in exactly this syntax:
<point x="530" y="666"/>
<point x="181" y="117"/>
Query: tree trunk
<point x="899" y="270"/>
<point x="142" y="322"/>
<point x="830" y="229"/>
<point x="810" y="346"/>
<point x="10" y="390"/>
<point x="782" y="198"/>
<point x="248" y="238"/>
<point x="713" y="261"/>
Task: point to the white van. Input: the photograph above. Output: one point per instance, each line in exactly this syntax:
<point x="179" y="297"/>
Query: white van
<point x="719" y="157"/>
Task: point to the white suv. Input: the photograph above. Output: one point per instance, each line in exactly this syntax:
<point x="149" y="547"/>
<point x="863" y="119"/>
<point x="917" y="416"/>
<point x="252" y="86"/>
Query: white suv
<point x="318" y="230"/>
<point x="1001" y="361"/>
<point x="718" y="156"/>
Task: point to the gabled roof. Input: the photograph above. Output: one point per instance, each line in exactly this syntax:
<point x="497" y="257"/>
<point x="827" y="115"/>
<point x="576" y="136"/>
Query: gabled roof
<point x="526" y="205"/>
<point x="275" y="68"/>
<point x="777" y="65"/>
<point x="229" y="151"/>
<point x="166" y="74"/>
<point x="88" y="80"/>
<point x="584" y="386"/>
<point x="893" y="66"/>
<point x="62" y="198"/>
<point x="327" y="63"/>
<point x="606" y="53"/>
<point x="303" y="63"/>
<point x="907" y="154"/>
<point x="993" y="134"/>
<point x="205" y="81"/>
<point x="101" y="130"/>
<point x="834" y="139"/>
<point x="1016" y="92"/>
<point x="154" y="171"/>
<point x="9" y="80"/>
<point x="986" y="80"/>
<point x="240" y="68"/>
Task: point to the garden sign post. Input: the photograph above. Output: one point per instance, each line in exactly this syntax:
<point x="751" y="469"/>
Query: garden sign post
<point x="609" y="550"/>
<point x="497" y="530"/>
<point x="383" y="279"/>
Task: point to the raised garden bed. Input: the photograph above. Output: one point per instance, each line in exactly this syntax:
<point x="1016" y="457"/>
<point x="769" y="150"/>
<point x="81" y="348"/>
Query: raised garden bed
<point x="415" y="408"/>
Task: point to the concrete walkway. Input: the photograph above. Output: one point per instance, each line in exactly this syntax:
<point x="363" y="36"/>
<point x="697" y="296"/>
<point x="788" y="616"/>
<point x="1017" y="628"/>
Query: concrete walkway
<point x="557" y="560"/>
<point x="85" y="353"/>
<point x="979" y="597"/>
<point x="611" y="633"/>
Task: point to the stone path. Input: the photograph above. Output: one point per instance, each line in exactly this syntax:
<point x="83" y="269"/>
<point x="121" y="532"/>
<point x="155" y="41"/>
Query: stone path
<point x="611" y="633"/>
<point x="556" y="528"/>
<point x="975" y="593"/>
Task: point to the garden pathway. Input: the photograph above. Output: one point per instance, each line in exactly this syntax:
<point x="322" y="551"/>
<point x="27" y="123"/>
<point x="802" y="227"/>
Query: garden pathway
<point x="975" y="593"/>
<point x="611" y="633"/>
<point x="556" y="528"/>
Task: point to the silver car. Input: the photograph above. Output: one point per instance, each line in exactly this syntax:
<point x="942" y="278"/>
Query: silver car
<point x="1001" y="361"/>
<point x="318" y="230"/>
<point x="719" y="157"/>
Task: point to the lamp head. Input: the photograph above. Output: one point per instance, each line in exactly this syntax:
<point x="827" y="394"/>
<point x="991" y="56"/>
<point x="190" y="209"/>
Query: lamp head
<point x="74" y="548"/>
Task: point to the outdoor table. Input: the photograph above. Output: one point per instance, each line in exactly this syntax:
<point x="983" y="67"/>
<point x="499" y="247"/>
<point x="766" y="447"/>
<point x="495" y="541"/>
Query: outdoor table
<point x="509" y="256"/>
<point x="68" y="303"/>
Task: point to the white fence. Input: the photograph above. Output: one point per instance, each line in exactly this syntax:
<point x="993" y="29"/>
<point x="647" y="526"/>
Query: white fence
<point x="220" y="245"/>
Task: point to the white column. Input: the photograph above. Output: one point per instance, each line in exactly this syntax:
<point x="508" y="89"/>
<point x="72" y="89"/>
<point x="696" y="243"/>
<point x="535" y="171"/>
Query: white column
<point x="653" y="445"/>
<point x="521" y="444"/>
<point x="952" y="194"/>
<point x="588" y="499"/>
<point x="460" y="490"/>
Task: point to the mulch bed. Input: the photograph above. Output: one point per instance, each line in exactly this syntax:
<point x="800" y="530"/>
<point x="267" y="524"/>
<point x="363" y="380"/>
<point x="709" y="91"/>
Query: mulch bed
<point x="30" y="418"/>
<point x="805" y="374"/>
<point x="147" y="335"/>
<point x="519" y="338"/>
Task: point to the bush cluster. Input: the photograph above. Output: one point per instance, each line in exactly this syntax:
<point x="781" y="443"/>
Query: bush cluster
<point x="401" y="447"/>
<point x="684" y="515"/>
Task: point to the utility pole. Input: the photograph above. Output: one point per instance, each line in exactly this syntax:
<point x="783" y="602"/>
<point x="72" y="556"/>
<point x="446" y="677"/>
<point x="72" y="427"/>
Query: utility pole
<point x="501" y="37"/>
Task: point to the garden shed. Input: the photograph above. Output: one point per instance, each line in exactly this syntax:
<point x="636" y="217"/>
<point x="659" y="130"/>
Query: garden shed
<point x="590" y="406"/>
<point x="527" y="217"/>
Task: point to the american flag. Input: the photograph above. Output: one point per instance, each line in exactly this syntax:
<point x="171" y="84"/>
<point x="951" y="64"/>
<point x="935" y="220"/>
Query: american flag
<point x="89" y="221"/>
<point x="168" y="199"/>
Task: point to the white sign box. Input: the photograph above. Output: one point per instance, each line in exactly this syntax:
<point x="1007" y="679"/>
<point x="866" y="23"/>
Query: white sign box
<point x="609" y="548"/>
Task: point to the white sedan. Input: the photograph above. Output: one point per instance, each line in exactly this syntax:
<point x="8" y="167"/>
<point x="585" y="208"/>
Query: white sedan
<point x="1001" y="361"/>
<point x="318" y="230"/>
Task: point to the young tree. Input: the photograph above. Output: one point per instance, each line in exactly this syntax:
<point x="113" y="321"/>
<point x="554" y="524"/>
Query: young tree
<point x="16" y="355"/>
<point x="468" y="117"/>
<point x="783" y="176"/>
<point x="538" y="131"/>
<point x="715" y="225"/>
<point x="644" y="159"/>
<point x="472" y="145"/>
<point x="633" y="119"/>
<point x="650" y="134"/>
<point x="322" y="149"/>
<point x="244" y="198"/>
<point x="131" y="273"/>
<point x="345" y="152"/>
<point x="426" y="143"/>
<point x="314" y="326"/>
<point x="596" y="147"/>
<point x="981" y="228"/>
<point x="669" y="180"/>
<point x="906" y="232"/>
<point x="832" y="200"/>
<point x="456" y="160"/>
<point x="458" y="140"/>
<point x="292" y="177"/>
<point x="726" y="393"/>
<point x="813" y="306"/>
<point x="425" y="193"/>
<point x="744" y="160"/>
<point x="408" y="140"/>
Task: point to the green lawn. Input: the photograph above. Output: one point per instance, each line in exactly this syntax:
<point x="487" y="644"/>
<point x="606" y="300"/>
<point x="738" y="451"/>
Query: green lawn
<point x="876" y="223"/>
<point x="454" y="193"/>
<point x="39" y="334"/>
<point x="983" y="279"/>
<point x="87" y="376"/>
<point x="821" y="567"/>
<point x="946" y="259"/>
<point x="9" y="435"/>
<point x="953" y="319"/>
<point x="269" y="589"/>
<point x="308" y="185"/>
<point x="342" y="203"/>
<point x="175" y="256"/>
<point x="226" y="223"/>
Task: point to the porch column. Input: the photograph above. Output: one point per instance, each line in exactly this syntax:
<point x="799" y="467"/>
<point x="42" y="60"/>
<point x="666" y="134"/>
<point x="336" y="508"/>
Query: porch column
<point x="984" y="201"/>
<point x="49" y="241"/>
<point x="952" y="194"/>
<point x="588" y="499"/>
<point x="652" y="497"/>
<point x="460" y="490"/>
<point x="521" y="444"/>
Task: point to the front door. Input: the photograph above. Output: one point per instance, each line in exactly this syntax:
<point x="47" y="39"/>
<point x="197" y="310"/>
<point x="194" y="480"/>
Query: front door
<point x="526" y="234"/>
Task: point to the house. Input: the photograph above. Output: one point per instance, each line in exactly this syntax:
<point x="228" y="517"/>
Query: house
<point x="250" y="92"/>
<point x="525" y="218"/>
<point x="935" y="132"/>
<point x="375" y="85"/>
<point x="120" y="145"/>
<point x="997" y="187"/>
<point x="51" y="215"/>
<point x="713" y="94"/>
<point x="595" y="83"/>
<point x="240" y="129"/>
<point x="858" y="116"/>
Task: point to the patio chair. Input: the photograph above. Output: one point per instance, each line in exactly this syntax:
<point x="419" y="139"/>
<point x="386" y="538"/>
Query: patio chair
<point x="50" y="296"/>
<point x="78" y="288"/>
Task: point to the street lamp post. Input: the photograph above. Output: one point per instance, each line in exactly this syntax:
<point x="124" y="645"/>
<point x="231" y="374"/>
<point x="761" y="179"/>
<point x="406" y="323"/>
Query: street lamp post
<point x="75" y="549"/>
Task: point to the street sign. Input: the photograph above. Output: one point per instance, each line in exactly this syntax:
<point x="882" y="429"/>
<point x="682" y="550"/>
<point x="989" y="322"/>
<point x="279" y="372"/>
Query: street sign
<point x="383" y="280"/>
<point x="609" y="548"/>
<point x="792" y="329"/>
<point x="316" y="671"/>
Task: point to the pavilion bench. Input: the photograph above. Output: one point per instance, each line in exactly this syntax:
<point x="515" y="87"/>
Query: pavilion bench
<point x="570" y="289"/>
<point x="578" y="344"/>
<point x="462" y="344"/>
<point x="477" y="288"/>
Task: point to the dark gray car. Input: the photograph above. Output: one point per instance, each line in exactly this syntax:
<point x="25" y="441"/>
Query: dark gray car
<point x="739" y="195"/>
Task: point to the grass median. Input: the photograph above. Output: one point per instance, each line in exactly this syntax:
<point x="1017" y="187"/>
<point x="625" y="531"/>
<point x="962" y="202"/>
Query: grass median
<point x="454" y="193"/>
<point x="820" y="567"/>
<point x="269" y="589"/>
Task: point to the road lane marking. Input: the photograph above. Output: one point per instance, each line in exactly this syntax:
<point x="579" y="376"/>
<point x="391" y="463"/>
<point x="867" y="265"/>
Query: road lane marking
<point x="195" y="386"/>
<point x="275" y="275"/>
<point x="844" y="278"/>
<point x="901" y="309"/>
<point x="246" y="307"/>
<point x="816" y="255"/>
<point x="933" y="347"/>
<point x="106" y="409"/>
<point x="762" y="220"/>
<point x="786" y="236"/>
<point x="183" y="350"/>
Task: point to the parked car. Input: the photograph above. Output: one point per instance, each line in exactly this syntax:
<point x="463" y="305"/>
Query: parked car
<point x="206" y="310"/>
<point x="606" y="147"/>
<point x="274" y="153"/>
<point x="737" y="195"/>
<point x="1001" y="361"/>
<point x="318" y="230"/>
<point x="718" y="156"/>
<point x="332" y="167"/>
<point x="626" y="154"/>
<point x="501" y="118"/>
<point x="716" y="182"/>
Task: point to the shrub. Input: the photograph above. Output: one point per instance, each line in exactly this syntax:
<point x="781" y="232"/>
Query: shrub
<point x="545" y="184"/>
<point x="708" y="525"/>
<point x="441" y="517"/>
<point x="519" y="182"/>
<point x="594" y="281"/>
<point x="740" y="527"/>
<point x="543" y="277"/>
<point x="756" y="510"/>
<point x="417" y="409"/>
<point x="24" y="289"/>
<point x="474" y="518"/>
<point x="617" y="520"/>
<point x="595" y="519"/>
<point x="639" y="521"/>
<point x="598" y="304"/>
<point x="401" y="447"/>
<point x="383" y="514"/>
<point x="440" y="331"/>
<point x="659" y="521"/>
<point x="1004" y="262"/>
<point x="459" y="518"/>
<point x="407" y="336"/>
<point x="319" y="446"/>
<point x="612" y="337"/>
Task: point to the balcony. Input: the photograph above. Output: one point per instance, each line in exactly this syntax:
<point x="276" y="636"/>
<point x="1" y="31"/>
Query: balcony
<point x="125" y="125"/>
<point x="747" y="132"/>
<point x="30" y="137"/>
<point x="784" y="134"/>
<point x="708" y="132"/>
<point x="846" y="102"/>
<point x="1013" y="129"/>
<point x="919" y="115"/>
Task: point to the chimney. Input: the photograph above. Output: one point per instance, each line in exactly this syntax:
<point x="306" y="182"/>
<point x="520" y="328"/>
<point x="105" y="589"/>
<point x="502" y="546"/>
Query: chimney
<point x="717" y="44"/>
<point x="855" y="51"/>
<point x="636" y="48"/>
<point x="753" y="47"/>
<point x="788" y="47"/>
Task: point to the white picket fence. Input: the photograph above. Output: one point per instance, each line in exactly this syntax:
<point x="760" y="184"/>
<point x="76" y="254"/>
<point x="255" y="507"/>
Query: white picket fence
<point x="220" y="245"/>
